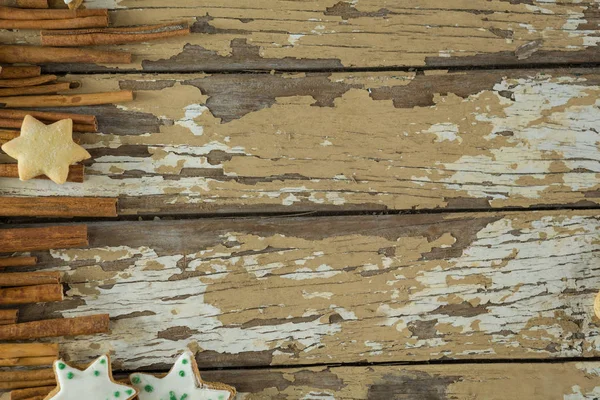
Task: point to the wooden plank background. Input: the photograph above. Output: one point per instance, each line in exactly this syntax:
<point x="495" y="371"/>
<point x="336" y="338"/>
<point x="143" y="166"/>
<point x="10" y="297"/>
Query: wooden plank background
<point x="473" y="125"/>
<point x="231" y="35"/>
<point x="260" y="291"/>
<point x="482" y="381"/>
<point x="198" y="144"/>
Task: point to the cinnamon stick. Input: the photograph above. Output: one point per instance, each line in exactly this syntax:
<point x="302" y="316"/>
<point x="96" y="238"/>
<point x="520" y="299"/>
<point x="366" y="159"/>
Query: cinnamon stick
<point x="20" y="379"/>
<point x="9" y="385"/>
<point x="7" y="317"/>
<point x="17" y="262"/>
<point x="24" y="375"/>
<point x="19" y="350"/>
<point x="18" y="13"/>
<point x="74" y="23"/>
<point x="67" y="100"/>
<point x="29" y="279"/>
<point x="57" y="207"/>
<point x="16" y="123"/>
<point x="56" y="327"/>
<point x="25" y="3"/>
<point x="30" y="393"/>
<point x="31" y="294"/>
<point x="20" y="82"/>
<point x="46" y="116"/>
<point x="27" y="361"/>
<point x="44" y="238"/>
<point x="19" y="72"/>
<point x="41" y="54"/>
<point x="108" y="36"/>
<point x="76" y="174"/>
<point x="6" y="135"/>
<point x="42" y="89"/>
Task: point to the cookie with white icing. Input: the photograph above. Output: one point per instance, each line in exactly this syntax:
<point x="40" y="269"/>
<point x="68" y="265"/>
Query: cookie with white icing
<point x="93" y="383"/>
<point x="183" y="382"/>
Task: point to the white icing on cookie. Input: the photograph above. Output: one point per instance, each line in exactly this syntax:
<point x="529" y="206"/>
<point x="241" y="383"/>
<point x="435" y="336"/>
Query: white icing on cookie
<point x="180" y="384"/>
<point x="94" y="383"/>
<point x="68" y="1"/>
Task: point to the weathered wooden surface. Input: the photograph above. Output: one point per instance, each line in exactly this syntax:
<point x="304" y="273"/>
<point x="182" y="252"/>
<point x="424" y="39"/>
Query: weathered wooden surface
<point x="215" y="143"/>
<point x="571" y="381"/>
<point x="333" y="34"/>
<point x="372" y="141"/>
<point x="260" y="291"/>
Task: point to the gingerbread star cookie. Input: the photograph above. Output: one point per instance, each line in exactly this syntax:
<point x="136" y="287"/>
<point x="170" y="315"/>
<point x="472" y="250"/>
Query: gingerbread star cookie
<point x="183" y="382"/>
<point x="45" y="149"/>
<point x="94" y="383"/>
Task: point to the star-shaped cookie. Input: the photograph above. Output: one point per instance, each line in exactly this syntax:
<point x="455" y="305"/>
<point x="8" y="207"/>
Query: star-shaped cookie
<point x="94" y="383"/>
<point x="45" y="149"/>
<point x="182" y="383"/>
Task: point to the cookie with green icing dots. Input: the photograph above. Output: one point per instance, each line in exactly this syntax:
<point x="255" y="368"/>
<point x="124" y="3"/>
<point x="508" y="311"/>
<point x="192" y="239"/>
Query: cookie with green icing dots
<point x="93" y="383"/>
<point x="183" y="382"/>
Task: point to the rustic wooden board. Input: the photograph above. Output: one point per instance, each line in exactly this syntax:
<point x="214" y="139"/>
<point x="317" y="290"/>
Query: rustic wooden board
<point x="195" y="144"/>
<point x="333" y="34"/>
<point x="284" y="291"/>
<point x="572" y="381"/>
<point x="557" y="381"/>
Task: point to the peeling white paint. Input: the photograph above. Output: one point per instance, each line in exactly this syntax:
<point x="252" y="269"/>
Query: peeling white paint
<point x="444" y="131"/>
<point x="293" y="39"/>
<point x="577" y="143"/>
<point x="192" y="112"/>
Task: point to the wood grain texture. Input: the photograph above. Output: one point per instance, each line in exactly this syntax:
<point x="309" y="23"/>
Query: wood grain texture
<point x="333" y="34"/>
<point x="196" y="144"/>
<point x="280" y="291"/>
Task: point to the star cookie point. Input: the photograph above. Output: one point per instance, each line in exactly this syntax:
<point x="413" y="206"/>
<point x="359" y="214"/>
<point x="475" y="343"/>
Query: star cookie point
<point x="183" y="382"/>
<point x="95" y="382"/>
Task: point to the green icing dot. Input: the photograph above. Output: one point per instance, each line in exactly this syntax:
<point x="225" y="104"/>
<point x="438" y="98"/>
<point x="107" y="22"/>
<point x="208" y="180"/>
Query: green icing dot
<point x="148" y="388"/>
<point x="117" y="393"/>
<point x="136" y="379"/>
<point x="103" y="361"/>
<point x="181" y="373"/>
<point x="172" y="396"/>
<point x="221" y="397"/>
<point x="96" y="373"/>
<point x="70" y="375"/>
<point x="129" y="391"/>
<point x="183" y="397"/>
<point x="184" y="361"/>
<point x="61" y="365"/>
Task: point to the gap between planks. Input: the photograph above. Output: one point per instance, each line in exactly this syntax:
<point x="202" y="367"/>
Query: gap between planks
<point x="420" y="69"/>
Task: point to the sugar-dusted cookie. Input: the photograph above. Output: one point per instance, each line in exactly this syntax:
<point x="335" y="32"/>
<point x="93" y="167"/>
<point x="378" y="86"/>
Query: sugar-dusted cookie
<point x="182" y="383"/>
<point x="93" y="383"/>
<point x="45" y="149"/>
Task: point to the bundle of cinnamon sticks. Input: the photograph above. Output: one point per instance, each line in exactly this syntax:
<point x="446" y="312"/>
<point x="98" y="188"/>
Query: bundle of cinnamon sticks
<point x="18" y="287"/>
<point x="43" y="84"/>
